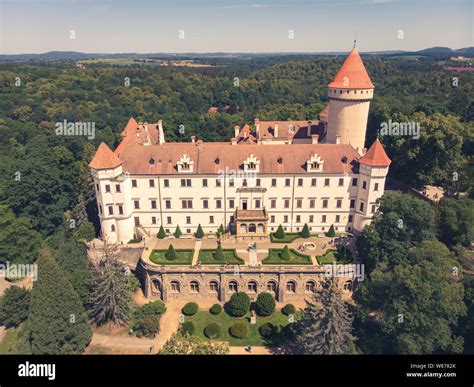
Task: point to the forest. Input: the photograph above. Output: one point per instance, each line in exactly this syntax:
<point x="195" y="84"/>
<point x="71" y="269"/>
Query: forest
<point x="46" y="197"/>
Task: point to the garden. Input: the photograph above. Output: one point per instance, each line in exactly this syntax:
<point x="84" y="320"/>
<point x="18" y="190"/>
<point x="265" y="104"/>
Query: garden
<point x="333" y="256"/>
<point x="286" y="256"/>
<point x="220" y="256"/>
<point x="172" y="256"/>
<point x="232" y="323"/>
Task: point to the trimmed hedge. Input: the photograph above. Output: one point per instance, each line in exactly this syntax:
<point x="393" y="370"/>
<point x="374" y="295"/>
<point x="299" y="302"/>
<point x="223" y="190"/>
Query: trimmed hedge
<point x="239" y="330"/>
<point x="265" y="304"/>
<point x="190" y="309"/>
<point x="288" y="309"/>
<point x="239" y="304"/>
<point x="148" y="327"/>
<point x="188" y="327"/>
<point x="267" y="330"/>
<point x="212" y="331"/>
<point x="215" y="309"/>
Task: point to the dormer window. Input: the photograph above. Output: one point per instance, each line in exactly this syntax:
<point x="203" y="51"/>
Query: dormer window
<point x="217" y="161"/>
<point x="152" y="161"/>
<point x="314" y="164"/>
<point x="185" y="164"/>
<point x="280" y="160"/>
<point x="292" y="129"/>
<point x="251" y="164"/>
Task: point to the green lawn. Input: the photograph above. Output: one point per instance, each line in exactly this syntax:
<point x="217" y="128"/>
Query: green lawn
<point x="185" y="257"/>
<point x="341" y="257"/>
<point x="297" y="258"/>
<point x="289" y="237"/>
<point x="203" y="318"/>
<point x="207" y="257"/>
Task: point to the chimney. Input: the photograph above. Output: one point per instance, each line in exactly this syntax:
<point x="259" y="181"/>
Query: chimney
<point x="193" y="139"/>
<point x="338" y="139"/>
<point x="257" y="127"/>
<point x="236" y="130"/>
<point x="161" y="134"/>
<point x="233" y="141"/>
<point x="308" y="130"/>
<point x="314" y="138"/>
<point x="275" y="130"/>
<point x="199" y="143"/>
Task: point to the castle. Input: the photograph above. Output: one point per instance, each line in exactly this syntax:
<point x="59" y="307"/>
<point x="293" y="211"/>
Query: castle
<point x="288" y="173"/>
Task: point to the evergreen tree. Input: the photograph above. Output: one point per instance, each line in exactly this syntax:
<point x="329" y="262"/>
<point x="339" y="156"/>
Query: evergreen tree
<point x="219" y="253"/>
<point x="285" y="254"/>
<point x="57" y="322"/>
<point x="171" y="253"/>
<point x="331" y="232"/>
<point x="177" y="232"/>
<point x="161" y="233"/>
<point x="14" y="306"/>
<point x="280" y="233"/>
<point x="326" y="327"/>
<point x="221" y="230"/>
<point x="305" y="232"/>
<point x="199" y="232"/>
<point x="110" y="296"/>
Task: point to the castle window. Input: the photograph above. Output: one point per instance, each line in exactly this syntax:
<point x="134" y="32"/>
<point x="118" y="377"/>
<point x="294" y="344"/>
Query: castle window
<point x="257" y="203"/>
<point x="352" y="205"/>
<point x="211" y="219"/>
<point x="166" y="183"/>
<point x="271" y="286"/>
<point x="153" y="220"/>
<point x="287" y="182"/>
<point x="151" y="183"/>
<point x="218" y="203"/>
<point x="313" y="182"/>
<point x="361" y="207"/>
<point x="280" y="160"/>
<point x="274" y="182"/>
<point x="350" y="218"/>
<point x="364" y="185"/>
<point x="373" y="208"/>
<point x="152" y="161"/>
<point x="258" y="182"/>
<point x="326" y="182"/>
<point x="218" y="182"/>
<point x="185" y="182"/>
<point x="311" y="218"/>
<point x="175" y="288"/>
<point x="107" y="188"/>
<point x="325" y="203"/>
<point x="97" y="187"/>
<point x="194" y="285"/>
<point x="231" y="182"/>
<point x="117" y="187"/>
<point x="376" y="186"/>
<point x="168" y="220"/>
<point x="186" y="203"/>
<point x="120" y="209"/>
<point x="188" y="220"/>
<point x="340" y="91"/>
<point x="338" y="218"/>
<point x="310" y="287"/>
<point x="273" y="203"/>
<point x="111" y="210"/>
<point x="134" y="183"/>
<point x="153" y="204"/>
<point x="285" y="219"/>
<point x="251" y="165"/>
<point x="233" y="287"/>
<point x="298" y="218"/>
<point x="100" y="209"/>
<point x="314" y="166"/>
<point x="338" y="203"/>
<point x="204" y="182"/>
<point x="231" y="203"/>
<point x="136" y="204"/>
<point x="217" y="161"/>
<point x="205" y="203"/>
<point x="214" y="286"/>
<point x="354" y="182"/>
<point x="112" y="228"/>
<point x="300" y="182"/>
<point x="323" y="219"/>
<point x="272" y="219"/>
<point x="291" y="286"/>
<point x="168" y="204"/>
<point x="286" y="203"/>
<point x="312" y="203"/>
<point x="341" y="182"/>
<point x="252" y="287"/>
<point x="299" y="203"/>
<point x="244" y="182"/>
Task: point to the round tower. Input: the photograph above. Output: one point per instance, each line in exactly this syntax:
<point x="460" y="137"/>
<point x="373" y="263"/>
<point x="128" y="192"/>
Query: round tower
<point x="350" y="93"/>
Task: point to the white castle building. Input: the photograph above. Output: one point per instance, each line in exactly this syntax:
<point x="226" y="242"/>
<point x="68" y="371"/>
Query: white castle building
<point x="284" y="172"/>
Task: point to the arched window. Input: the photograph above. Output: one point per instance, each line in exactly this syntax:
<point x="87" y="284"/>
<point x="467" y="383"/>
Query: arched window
<point x="112" y="228"/>
<point x="261" y="228"/>
<point x="214" y="286"/>
<point x="243" y="228"/>
<point x="175" y="288"/>
<point x="194" y="285"/>
<point x="291" y="287"/>
<point x="271" y="286"/>
<point x="252" y="287"/>
<point x="156" y="285"/>
<point x="233" y="287"/>
<point x="310" y="287"/>
<point x="252" y="227"/>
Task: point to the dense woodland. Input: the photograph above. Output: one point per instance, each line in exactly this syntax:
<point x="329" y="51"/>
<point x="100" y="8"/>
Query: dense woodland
<point x="47" y="204"/>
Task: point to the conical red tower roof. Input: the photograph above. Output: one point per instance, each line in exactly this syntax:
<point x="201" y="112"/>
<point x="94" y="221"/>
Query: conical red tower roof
<point x="376" y="156"/>
<point x="104" y="158"/>
<point x="352" y="74"/>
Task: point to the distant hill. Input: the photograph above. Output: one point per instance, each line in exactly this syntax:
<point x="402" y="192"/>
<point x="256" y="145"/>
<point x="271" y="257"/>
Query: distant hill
<point x="435" y="52"/>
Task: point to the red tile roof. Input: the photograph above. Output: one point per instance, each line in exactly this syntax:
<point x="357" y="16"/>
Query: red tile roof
<point x="352" y="74"/>
<point x="104" y="158"/>
<point x="300" y="128"/>
<point x="376" y="156"/>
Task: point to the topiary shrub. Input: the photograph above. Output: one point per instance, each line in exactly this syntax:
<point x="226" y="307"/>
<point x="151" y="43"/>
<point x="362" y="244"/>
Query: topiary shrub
<point x="280" y="233"/>
<point x="187" y="328"/>
<point x="199" y="232"/>
<point x="221" y="230"/>
<point x="305" y="232"/>
<point x="239" y="330"/>
<point x="265" y="304"/>
<point x="239" y="304"/>
<point x="212" y="331"/>
<point x="288" y="309"/>
<point x="171" y="253"/>
<point x="161" y="233"/>
<point x="267" y="330"/>
<point x="177" y="232"/>
<point x="219" y="253"/>
<point x="215" y="309"/>
<point x="148" y="327"/>
<point x="331" y="232"/>
<point x="190" y="309"/>
<point x="285" y="254"/>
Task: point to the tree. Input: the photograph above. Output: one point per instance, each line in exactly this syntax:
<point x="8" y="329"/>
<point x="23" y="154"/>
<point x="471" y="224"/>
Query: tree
<point x="331" y="232"/>
<point x="110" y="298"/>
<point x="219" y="253"/>
<point x="177" y="232"/>
<point x="456" y="221"/>
<point x="280" y="233"/>
<point x="182" y="344"/>
<point x="326" y="326"/>
<point x="171" y="253"/>
<point x="265" y="304"/>
<point x="221" y="230"/>
<point x="161" y="233"/>
<point x="14" y="306"/>
<point x="57" y="322"/>
<point x="305" y="232"/>
<point x="285" y="254"/>
<point x="239" y="304"/>
<point x="199" y="232"/>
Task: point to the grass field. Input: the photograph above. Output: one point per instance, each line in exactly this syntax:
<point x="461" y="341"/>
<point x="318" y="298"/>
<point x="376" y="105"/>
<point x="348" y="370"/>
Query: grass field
<point x="296" y="258"/>
<point x="185" y="257"/>
<point x="207" y="257"/>
<point x="341" y="257"/>
<point x="203" y="318"/>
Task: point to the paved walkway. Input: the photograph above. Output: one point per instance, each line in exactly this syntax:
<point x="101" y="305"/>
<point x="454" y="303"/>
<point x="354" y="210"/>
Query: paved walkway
<point x="197" y="248"/>
<point x="255" y="351"/>
<point x="253" y="261"/>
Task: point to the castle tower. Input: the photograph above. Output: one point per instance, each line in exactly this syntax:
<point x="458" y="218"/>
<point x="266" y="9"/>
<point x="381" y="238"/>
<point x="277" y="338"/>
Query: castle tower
<point x="350" y="93"/>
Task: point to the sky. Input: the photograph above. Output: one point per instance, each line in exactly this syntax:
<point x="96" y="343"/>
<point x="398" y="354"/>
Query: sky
<point x="257" y="26"/>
